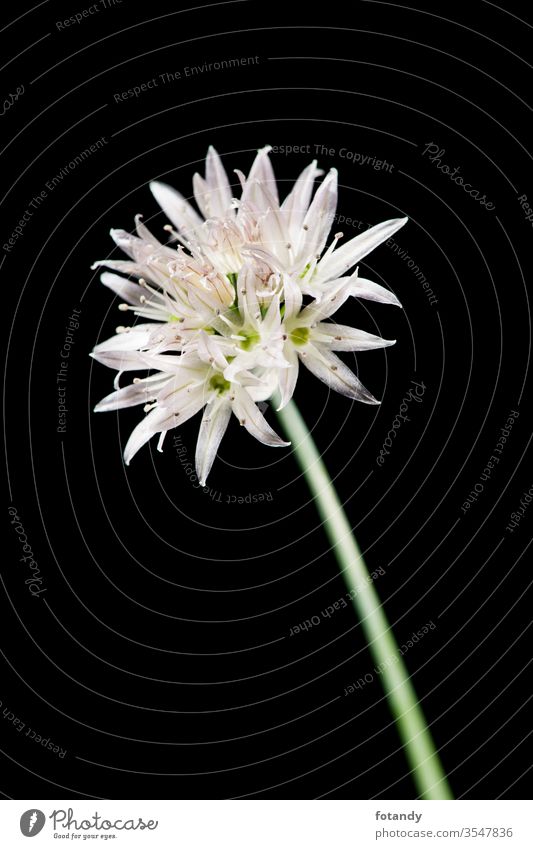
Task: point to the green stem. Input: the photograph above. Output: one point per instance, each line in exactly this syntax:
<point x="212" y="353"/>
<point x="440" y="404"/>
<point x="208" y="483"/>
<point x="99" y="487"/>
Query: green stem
<point x="423" y="759"/>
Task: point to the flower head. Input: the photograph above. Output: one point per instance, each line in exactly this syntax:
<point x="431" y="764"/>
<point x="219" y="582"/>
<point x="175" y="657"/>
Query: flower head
<point x="229" y="307"/>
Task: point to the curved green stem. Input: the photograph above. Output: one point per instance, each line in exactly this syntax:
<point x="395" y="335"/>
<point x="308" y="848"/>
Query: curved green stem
<point x="423" y="759"/>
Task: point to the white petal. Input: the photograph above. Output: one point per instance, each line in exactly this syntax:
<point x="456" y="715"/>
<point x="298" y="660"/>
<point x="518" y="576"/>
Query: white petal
<point x="293" y="298"/>
<point x="125" y="289"/>
<point x="288" y="377"/>
<point x="130" y="396"/>
<point x="242" y="361"/>
<point x="334" y="373"/>
<point x="353" y="251"/>
<point x="137" y="249"/>
<point x="178" y="210"/>
<point x="138" y="269"/>
<point x="144" y="233"/>
<point x="182" y="404"/>
<point x="319" y="217"/>
<point x="262" y="172"/>
<point x="210" y="351"/>
<point x="140" y="435"/>
<point x="253" y="420"/>
<point x="220" y="197"/>
<point x="201" y="194"/>
<point x="212" y="429"/>
<point x="260" y="389"/>
<point x="154" y="422"/>
<point x="339" y="337"/>
<point x="329" y="303"/>
<point x="247" y="294"/>
<point x="120" y="360"/>
<point x="159" y="421"/>
<point x="274" y="230"/>
<point x="132" y="340"/>
<point x="296" y="203"/>
<point x="266" y="256"/>
<point x="374" y="292"/>
<point x="271" y="323"/>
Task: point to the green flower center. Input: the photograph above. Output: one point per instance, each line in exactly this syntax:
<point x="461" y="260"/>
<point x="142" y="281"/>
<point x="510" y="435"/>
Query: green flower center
<point x="219" y="383"/>
<point x="300" y="336"/>
<point x="250" y="341"/>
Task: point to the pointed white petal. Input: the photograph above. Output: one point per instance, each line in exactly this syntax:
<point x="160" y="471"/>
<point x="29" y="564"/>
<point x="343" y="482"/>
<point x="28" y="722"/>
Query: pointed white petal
<point x="160" y="420"/>
<point x="274" y="230"/>
<point x="293" y="298"/>
<point x="120" y="360"/>
<point x="262" y="172"/>
<point x="260" y="389"/>
<point x="374" y="292"/>
<point x="211" y="351"/>
<point x="329" y="303"/>
<point x="138" y="269"/>
<point x="266" y="256"/>
<point x="353" y="251"/>
<point x="137" y="249"/>
<point x="144" y="233"/>
<point x="137" y="337"/>
<point x="296" y="204"/>
<point x="334" y="373"/>
<point x="125" y="289"/>
<point x="155" y="421"/>
<point x="212" y="429"/>
<point x="220" y="197"/>
<point x="130" y="396"/>
<point x="140" y="436"/>
<point x="178" y="210"/>
<point x="201" y="194"/>
<point x="319" y="218"/>
<point x="288" y="377"/>
<point x="271" y="323"/>
<point x="340" y="337"/>
<point x="242" y="362"/>
<point x="253" y="420"/>
<point x="182" y="404"/>
<point x="247" y="294"/>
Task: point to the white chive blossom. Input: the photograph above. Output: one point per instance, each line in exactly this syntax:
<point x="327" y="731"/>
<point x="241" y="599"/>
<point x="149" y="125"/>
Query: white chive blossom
<point x="236" y="298"/>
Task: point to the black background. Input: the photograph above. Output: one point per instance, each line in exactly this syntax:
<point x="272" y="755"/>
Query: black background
<point x="159" y="655"/>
